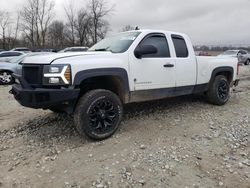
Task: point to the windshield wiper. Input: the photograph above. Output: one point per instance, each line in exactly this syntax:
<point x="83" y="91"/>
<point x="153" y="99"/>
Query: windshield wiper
<point x="101" y="49"/>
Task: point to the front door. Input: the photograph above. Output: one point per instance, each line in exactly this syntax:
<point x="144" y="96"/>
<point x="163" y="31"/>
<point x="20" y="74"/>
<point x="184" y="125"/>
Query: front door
<point x="154" y="71"/>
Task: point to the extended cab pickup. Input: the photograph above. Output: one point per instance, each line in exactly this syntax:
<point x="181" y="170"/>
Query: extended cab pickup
<point x="128" y="67"/>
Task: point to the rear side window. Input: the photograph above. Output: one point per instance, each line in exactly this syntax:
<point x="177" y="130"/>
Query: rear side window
<point x="9" y="54"/>
<point x="15" y="54"/>
<point x="180" y="45"/>
<point x="3" y="55"/>
<point x="160" y="42"/>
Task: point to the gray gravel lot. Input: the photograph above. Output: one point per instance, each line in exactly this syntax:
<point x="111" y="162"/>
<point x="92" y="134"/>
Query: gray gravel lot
<point x="180" y="142"/>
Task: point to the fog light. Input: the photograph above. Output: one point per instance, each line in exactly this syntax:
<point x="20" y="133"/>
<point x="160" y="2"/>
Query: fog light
<point x="54" y="69"/>
<point x="54" y="80"/>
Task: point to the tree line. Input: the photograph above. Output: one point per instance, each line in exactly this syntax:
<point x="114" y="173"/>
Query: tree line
<point x="35" y="26"/>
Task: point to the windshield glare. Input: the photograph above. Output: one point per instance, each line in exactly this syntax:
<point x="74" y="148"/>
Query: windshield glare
<point x="230" y="52"/>
<point x="117" y="43"/>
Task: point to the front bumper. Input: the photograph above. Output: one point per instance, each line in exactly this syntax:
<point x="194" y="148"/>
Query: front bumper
<point x="42" y="97"/>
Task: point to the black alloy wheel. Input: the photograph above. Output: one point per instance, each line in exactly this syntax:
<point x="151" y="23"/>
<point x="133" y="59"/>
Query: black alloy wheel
<point x="223" y="90"/>
<point x="219" y="91"/>
<point x="98" y="114"/>
<point x="103" y="116"/>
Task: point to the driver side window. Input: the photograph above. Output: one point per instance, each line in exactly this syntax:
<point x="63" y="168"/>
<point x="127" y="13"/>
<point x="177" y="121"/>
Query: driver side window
<point x="158" y="41"/>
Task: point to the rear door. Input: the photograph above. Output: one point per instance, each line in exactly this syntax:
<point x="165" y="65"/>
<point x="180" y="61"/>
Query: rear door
<point x="185" y="61"/>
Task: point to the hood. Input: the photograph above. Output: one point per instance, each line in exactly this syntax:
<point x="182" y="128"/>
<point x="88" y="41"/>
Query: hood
<point x="6" y="64"/>
<point x="1" y="62"/>
<point x="48" y="59"/>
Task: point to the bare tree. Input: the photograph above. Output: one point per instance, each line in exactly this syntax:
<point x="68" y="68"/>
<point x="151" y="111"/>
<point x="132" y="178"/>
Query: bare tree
<point x="45" y="13"/>
<point x="98" y="11"/>
<point x="4" y="24"/>
<point x="83" y="27"/>
<point x="36" y="16"/>
<point x="16" y="31"/>
<point x="71" y="18"/>
<point x="29" y="21"/>
<point x="56" y="34"/>
<point x="87" y="25"/>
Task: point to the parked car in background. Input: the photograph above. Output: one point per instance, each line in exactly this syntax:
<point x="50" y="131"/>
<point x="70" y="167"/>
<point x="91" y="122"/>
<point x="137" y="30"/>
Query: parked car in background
<point x="45" y="50"/>
<point x="203" y="53"/>
<point x="13" y="66"/>
<point x="242" y="55"/>
<point x="21" y="49"/>
<point x="8" y="55"/>
<point x="75" y="49"/>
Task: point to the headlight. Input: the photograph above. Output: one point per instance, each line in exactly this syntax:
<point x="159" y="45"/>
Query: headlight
<point x="57" y="75"/>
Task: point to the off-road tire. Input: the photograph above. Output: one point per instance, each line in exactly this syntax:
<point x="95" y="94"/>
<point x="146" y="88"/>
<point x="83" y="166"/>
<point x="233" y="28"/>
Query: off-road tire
<point x="98" y="114"/>
<point x="219" y="91"/>
<point x="247" y="62"/>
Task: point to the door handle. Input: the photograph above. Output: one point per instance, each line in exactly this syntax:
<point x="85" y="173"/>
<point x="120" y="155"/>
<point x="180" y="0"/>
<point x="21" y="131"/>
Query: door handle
<point x="168" y="65"/>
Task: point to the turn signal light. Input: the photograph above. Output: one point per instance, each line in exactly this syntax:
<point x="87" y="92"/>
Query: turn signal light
<point x="67" y="74"/>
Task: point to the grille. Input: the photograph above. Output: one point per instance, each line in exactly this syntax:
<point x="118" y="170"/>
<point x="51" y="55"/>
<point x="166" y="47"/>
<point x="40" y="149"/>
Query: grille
<point x="33" y="74"/>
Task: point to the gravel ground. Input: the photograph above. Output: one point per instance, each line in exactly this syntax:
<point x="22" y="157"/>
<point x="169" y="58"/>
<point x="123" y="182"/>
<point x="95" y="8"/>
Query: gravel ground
<point x="181" y="142"/>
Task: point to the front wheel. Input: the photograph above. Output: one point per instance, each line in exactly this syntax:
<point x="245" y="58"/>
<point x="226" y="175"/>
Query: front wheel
<point x="6" y="78"/>
<point x="219" y="91"/>
<point x="98" y="114"/>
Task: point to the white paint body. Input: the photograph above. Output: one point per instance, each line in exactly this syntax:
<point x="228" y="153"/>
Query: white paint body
<point x="145" y="73"/>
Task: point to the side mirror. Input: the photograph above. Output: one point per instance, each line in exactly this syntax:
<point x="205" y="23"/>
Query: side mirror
<point x="145" y="50"/>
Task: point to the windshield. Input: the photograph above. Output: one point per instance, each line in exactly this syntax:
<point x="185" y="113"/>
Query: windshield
<point x="230" y="52"/>
<point x="117" y="43"/>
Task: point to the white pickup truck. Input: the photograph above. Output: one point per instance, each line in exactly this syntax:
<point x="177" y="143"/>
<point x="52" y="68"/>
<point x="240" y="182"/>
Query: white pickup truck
<point x="128" y="67"/>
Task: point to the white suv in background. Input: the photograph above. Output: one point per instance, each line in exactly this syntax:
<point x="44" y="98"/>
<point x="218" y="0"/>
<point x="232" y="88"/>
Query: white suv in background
<point x="242" y="55"/>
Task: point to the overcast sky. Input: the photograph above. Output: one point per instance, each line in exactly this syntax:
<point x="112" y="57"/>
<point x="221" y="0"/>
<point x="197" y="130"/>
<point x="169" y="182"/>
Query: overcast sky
<point x="206" y="21"/>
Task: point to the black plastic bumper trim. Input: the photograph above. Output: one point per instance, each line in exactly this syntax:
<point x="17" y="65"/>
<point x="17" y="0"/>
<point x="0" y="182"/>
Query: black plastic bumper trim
<point x="43" y="98"/>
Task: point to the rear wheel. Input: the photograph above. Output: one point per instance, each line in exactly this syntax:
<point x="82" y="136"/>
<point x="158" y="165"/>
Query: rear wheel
<point x="6" y="78"/>
<point x="98" y="114"/>
<point x="219" y="91"/>
<point x="247" y="62"/>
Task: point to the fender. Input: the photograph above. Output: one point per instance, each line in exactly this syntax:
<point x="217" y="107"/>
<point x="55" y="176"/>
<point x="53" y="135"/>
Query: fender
<point x="89" y="73"/>
<point x="222" y="69"/>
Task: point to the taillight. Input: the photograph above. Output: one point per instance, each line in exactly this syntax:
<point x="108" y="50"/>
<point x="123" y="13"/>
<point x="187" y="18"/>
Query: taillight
<point x="238" y="69"/>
